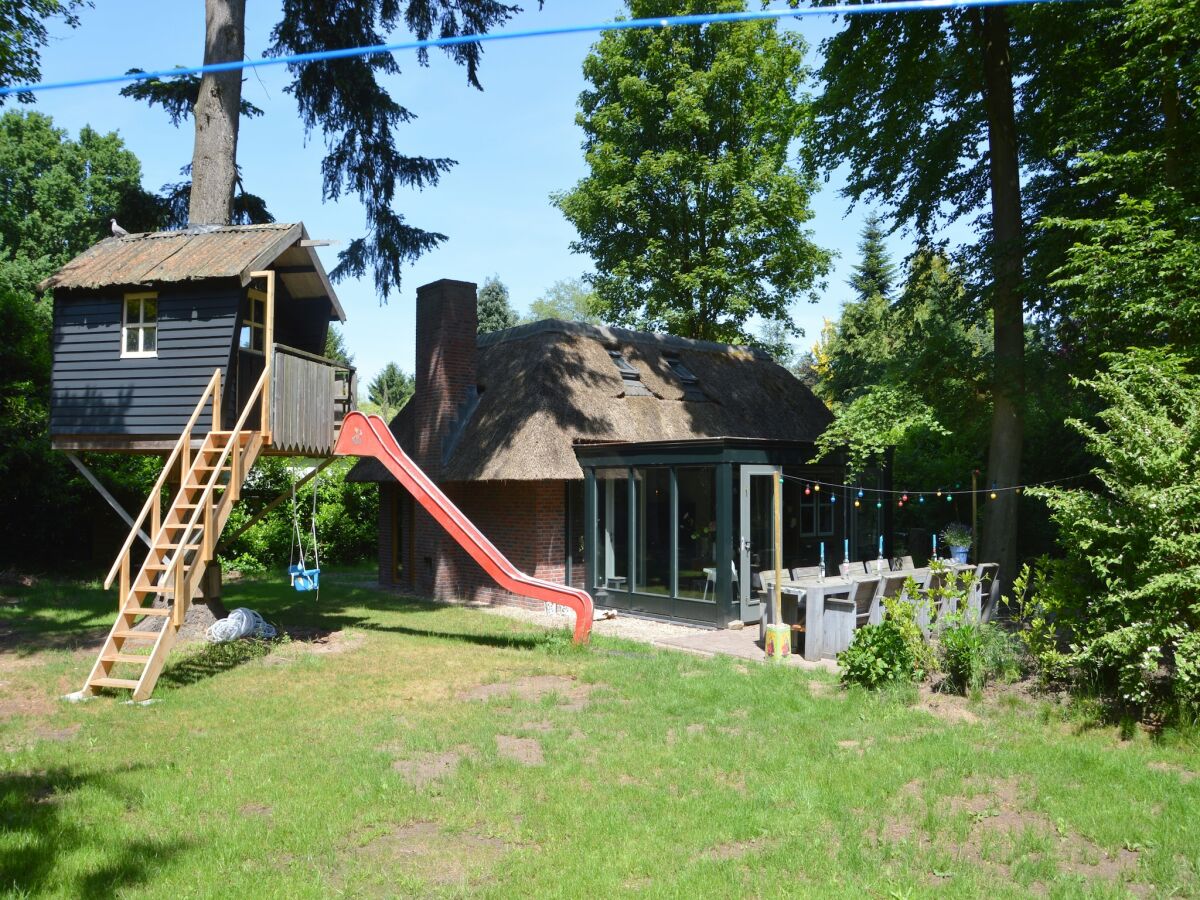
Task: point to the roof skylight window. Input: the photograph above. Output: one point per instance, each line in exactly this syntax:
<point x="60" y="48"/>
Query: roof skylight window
<point x="630" y="377"/>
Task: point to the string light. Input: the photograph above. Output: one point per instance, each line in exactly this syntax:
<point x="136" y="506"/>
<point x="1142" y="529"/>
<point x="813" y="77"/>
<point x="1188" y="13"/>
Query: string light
<point x="857" y="504"/>
<point x="807" y="490"/>
<point x="817" y="487"/>
<point x="921" y="498"/>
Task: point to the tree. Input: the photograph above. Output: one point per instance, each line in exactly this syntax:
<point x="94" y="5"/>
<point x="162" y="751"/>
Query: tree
<point x="335" y="346"/>
<point x="391" y="389"/>
<point x="569" y="299"/>
<point x="346" y="100"/>
<point x="874" y="274"/>
<point x="909" y="100"/>
<point x="23" y="34"/>
<point x="495" y="312"/>
<point x="694" y="209"/>
<point x="56" y="197"/>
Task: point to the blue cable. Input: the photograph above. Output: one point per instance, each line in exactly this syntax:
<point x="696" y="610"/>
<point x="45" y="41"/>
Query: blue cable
<point x="888" y="6"/>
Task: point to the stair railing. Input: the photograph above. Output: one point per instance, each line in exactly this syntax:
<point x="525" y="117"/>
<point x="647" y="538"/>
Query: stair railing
<point x="178" y="575"/>
<point x="153" y="504"/>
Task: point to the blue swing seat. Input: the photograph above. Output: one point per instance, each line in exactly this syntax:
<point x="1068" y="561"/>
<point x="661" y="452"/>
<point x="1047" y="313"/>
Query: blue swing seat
<point x="304" y="579"/>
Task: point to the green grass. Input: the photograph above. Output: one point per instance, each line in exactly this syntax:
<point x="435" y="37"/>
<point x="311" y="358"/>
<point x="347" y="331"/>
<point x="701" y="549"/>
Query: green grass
<point x="268" y="770"/>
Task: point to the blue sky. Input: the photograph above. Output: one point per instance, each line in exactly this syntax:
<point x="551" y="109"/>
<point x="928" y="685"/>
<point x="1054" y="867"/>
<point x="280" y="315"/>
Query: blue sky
<point x="515" y="143"/>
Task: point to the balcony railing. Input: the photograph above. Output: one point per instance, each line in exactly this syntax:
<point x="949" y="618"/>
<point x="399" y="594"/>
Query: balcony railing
<point x="310" y="395"/>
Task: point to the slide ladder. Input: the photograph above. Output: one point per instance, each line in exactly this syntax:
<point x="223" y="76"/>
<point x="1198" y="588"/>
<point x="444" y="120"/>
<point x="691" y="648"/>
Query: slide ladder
<point x="183" y="543"/>
<point x="363" y="435"/>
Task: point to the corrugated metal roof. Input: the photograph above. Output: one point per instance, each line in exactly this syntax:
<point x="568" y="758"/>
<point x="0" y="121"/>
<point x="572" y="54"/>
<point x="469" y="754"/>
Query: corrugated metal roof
<point x="173" y="256"/>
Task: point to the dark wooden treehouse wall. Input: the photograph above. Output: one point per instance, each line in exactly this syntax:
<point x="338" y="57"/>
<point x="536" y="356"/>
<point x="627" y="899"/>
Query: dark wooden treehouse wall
<point x="96" y="391"/>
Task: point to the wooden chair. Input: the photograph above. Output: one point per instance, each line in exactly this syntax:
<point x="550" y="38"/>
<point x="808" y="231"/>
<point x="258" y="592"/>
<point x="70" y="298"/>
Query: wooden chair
<point x="845" y="613"/>
<point x="806" y="572"/>
<point x="985" y="591"/>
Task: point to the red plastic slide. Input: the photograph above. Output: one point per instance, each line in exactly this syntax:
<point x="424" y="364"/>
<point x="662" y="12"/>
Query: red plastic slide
<point x="369" y="436"/>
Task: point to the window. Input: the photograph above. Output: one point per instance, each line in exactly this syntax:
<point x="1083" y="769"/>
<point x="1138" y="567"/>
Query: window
<point x="254" y="325"/>
<point x="612" y="544"/>
<point x="691" y="384"/>
<point x="697" y="487"/>
<point x="139" y="326"/>
<point x="630" y="376"/>
<point x="652" y="549"/>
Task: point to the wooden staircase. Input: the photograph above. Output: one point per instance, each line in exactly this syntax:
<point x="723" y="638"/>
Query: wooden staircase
<point x="183" y="543"/>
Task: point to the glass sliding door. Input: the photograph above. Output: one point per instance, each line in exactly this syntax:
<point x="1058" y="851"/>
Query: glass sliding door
<point x="757" y="550"/>
<point x="612" y="537"/>
<point x="697" y="542"/>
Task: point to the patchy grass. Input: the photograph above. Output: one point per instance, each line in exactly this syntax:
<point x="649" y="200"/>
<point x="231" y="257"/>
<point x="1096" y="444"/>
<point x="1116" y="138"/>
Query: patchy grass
<point x="391" y="747"/>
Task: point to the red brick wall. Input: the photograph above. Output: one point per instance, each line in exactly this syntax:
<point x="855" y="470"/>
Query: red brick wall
<point x="525" y="520"/>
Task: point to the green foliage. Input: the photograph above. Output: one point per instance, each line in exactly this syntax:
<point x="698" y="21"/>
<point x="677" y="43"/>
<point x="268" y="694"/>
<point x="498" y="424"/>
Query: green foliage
<point x="956" y="534"/>
<point x="879" y="655"/>
<point x="390" y="390"/>
<point x="694" y="211"/>
<point x="335" y="346"/>
<point x="57" y="194"/>
<point x="902" y="613"/>
<point x="23" y="34"/>
<point x="346" y="518"/>
<point x="1126" y="595"/>
<point x="495" y="310"/>
<point x="569" y="299"/>
<point x="866" y="427"/>
<point x="56" y="197"/>
<point x="974" y="653"/>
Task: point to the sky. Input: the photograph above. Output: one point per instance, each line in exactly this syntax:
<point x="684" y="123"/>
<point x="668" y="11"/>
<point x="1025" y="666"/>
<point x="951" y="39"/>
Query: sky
<point x="516" y="142"/>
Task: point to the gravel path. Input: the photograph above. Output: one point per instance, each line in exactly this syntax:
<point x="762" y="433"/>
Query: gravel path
<point x="634" y="628"/>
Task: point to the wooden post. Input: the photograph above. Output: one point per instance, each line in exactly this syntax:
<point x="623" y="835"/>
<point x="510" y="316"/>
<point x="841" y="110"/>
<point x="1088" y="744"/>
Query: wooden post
<point x="180" y="610"/>
<point x="124" y="586"/>
<point x="268" y="352"/>
<point x="216" y="402"/>
<point x="185" y="456"/>
<point x="206" y="542"/>
<point x="777" y="523"/>
<point x="235" y="475"/>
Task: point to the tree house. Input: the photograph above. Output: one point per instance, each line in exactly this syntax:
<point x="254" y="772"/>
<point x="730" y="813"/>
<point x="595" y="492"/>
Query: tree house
<point x="206" y="346"/>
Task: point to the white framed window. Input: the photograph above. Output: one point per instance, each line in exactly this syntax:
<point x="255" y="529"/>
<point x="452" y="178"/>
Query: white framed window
<point x="139" y="326"/>
<point x="254" y="324"/>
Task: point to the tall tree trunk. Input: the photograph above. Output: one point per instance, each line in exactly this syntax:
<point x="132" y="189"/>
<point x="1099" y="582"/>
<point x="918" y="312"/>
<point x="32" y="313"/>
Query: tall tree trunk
<point x="218" y="109"/>
<point x="1004" y="456"/>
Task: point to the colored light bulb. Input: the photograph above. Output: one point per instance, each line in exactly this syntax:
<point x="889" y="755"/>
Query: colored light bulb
<point x="905" y="497"/>
<point x="939" y="492"/>
<point x="807" y="490"/>
<point x="857" y="504"/>
<point x="921" y="498"/>
<point x="879" y="504"/>
<point x="860" y="493"/>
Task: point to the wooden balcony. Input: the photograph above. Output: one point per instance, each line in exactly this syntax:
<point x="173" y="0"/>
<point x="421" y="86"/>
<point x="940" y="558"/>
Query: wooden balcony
<point x="310" y="396"/>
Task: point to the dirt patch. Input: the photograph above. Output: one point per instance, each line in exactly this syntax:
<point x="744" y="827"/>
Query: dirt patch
<point x="421" y="850"/>
<point x="947" y="707"/>
<point x="998" y="818"/>
<point x="821" y="688"/>
<point x="332" y="642"/>
<point x="542" y="726"/>
<point x="1185" y="775"/>
<point x="859" y="747"/>
<point x="526" y="751"/>
<point x="736" y="849"/>
<point x="57" y="734"/>
<point x="426" y="768"/>
<point x="26" y="704"/>
<point x="695" y="728"/>
<point x="259" y="810"/>
<point x="533" y="688"/>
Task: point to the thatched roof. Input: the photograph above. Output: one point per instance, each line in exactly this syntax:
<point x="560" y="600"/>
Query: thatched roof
<point x="197" y="254"/>
<point x="544" y="387"/>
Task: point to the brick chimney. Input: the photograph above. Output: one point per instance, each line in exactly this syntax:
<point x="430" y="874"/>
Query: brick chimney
<point x="447" y="327"/>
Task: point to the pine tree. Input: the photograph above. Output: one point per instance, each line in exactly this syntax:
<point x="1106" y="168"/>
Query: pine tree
<point x="875" y="273"/>
<point x="495" y="312"/>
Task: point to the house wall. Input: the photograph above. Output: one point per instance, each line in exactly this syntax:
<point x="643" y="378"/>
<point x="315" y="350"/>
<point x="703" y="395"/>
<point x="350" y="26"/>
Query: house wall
<point x="95" y="391"/>
<point x="525" y="520"/>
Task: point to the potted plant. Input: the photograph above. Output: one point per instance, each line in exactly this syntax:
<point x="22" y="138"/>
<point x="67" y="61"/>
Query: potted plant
<point x="957" y="537"/>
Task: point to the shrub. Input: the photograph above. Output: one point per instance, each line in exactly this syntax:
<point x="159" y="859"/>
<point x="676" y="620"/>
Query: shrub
<point x="902" y="613"/>
<point x="1125" y="600"/>
<point x="972" y="654"/>
<point x="878" y="656"/>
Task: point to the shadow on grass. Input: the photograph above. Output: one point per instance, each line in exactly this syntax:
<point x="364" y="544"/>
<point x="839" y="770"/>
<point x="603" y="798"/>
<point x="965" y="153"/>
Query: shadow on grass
<point x="212" y="660"/>
<point x="53" y="615"/>
<point x="40" y="832"/>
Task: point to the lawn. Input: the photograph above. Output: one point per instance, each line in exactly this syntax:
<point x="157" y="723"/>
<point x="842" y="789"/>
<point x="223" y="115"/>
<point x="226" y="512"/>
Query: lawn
<point x="406" y="749"/>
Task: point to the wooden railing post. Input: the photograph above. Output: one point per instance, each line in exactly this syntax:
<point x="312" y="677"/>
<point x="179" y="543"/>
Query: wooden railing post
<point x="181" y="597"/>
<point x="185" y="456"/>
<point x="268" y="351"/>
<point x="124" y="588"/>
<point x="235" y="466"/>
<point x="206" y="549"/>
<point x="216" y="397"/>
<point x="155" y="518"/>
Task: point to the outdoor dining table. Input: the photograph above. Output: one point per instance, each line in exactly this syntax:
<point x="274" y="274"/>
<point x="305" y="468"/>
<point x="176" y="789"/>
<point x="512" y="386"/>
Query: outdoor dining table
<point x="815" y="594"/>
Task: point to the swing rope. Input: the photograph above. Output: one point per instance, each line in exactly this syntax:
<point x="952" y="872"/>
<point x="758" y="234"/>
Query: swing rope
<point x="310" y="578"/>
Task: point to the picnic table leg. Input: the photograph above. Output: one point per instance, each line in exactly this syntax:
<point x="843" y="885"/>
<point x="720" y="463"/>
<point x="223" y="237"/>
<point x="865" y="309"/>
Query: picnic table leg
<point x="814" y="625"/>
